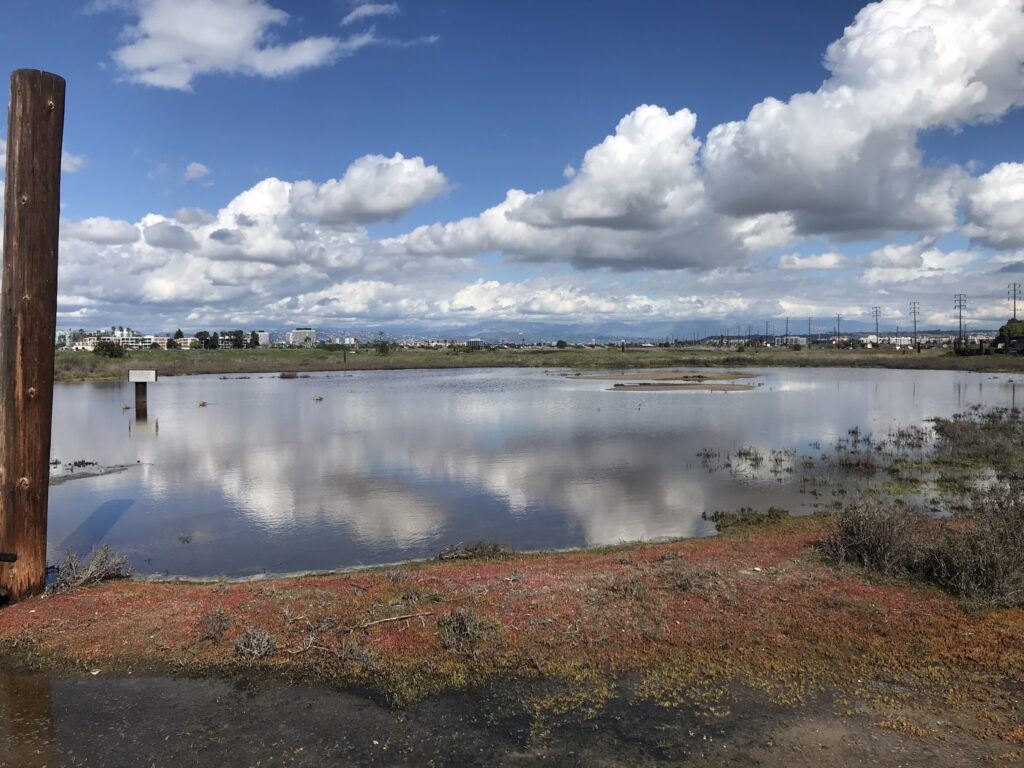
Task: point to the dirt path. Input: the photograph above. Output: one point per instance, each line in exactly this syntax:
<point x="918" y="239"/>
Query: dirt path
<point x="114" y="722"/>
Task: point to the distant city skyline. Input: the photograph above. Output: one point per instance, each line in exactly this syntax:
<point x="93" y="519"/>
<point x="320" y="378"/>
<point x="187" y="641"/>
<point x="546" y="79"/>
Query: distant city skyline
<point x="457" y="166"/>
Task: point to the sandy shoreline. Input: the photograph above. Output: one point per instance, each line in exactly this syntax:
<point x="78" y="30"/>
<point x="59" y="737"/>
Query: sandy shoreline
<point x="669" y="376"/>
<point x="691" y="387"/>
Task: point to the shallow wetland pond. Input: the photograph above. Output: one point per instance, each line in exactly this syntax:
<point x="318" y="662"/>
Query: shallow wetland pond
<point x="393" y="465"/>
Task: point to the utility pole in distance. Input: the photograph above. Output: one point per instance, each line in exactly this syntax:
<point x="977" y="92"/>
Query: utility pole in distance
<point x="1013" y="292"/>
<point x="915" y="310"/>
<point x="960" y="304"/>
<point x="28" y="319"/>
<point x="876" y="312"/>
<point x="838" y="319"/>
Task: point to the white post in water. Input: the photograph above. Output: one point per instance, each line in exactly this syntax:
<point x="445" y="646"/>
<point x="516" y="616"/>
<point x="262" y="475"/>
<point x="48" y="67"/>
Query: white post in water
<point x="141" y="379"/>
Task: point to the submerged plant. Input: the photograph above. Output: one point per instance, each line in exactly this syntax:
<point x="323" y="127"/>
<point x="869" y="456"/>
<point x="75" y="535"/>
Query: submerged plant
<point x="745" y="517"/>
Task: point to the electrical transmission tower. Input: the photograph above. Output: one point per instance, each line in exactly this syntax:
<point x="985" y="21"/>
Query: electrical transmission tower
<point x="915" y="310"/>
<point x="876" y="312"/>
<point x="960" y="304"/>
<point x="1013" y="293"/>
<point x="838" y="319"/>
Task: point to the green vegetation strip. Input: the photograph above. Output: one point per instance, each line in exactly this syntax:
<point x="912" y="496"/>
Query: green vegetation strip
<point x="84" y="365"/>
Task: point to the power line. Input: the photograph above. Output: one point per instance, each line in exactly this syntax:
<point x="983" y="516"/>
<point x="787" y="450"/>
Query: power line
<point x="915" y="310"/>
<point x="960" y="304"/>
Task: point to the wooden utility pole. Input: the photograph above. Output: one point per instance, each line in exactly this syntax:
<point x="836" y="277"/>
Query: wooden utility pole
<point x="28" y="319"/>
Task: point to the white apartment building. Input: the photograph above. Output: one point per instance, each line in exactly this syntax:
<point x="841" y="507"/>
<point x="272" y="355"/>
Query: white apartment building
<point x="130" y="340"/>
<point x="302" y="337"/>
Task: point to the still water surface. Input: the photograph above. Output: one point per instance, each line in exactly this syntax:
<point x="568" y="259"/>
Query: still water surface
<point x="392" y="465"/>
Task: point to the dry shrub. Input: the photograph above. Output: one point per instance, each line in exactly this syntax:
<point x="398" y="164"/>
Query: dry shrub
<point x="255" y="644"/>
<point x="356" y="654"/>
<point x="887" y="539"/>
<point x="631" y="585"/>
<point x="75" y="573"/>
<point x="395" y="576"/>
<point x="978" y="556"/>
<point x="462" y="629"/>
<point x="981" y="558"/>
<point x="213" y="624"/>
<point x="699" y="581"/>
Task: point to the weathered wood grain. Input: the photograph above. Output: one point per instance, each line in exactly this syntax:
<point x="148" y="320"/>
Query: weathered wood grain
<point x="28" y="316"/>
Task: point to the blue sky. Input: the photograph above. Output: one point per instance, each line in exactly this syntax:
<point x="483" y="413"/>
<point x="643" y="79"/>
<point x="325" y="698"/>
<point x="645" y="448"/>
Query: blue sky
<point x="499" y="96"/>
<point x="508" y="96"/>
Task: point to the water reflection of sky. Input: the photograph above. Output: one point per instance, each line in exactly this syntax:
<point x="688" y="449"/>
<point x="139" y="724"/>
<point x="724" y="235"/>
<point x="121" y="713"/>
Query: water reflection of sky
<point x="394" y="465"/>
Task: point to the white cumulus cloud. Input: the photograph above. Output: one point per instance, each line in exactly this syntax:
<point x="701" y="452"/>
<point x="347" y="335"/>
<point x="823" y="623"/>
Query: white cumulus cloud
<point x="100" y="230"/>
<point x="844" y="159"/>
<point x="636" y="201"/>
<point x="995" y="207"/>
<point x="373" y="188"/>
<point x="171" y="42"/>
<point x="659" y="222"/>
<point x="270" y="244"/>
<point x="830" y="260"/>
